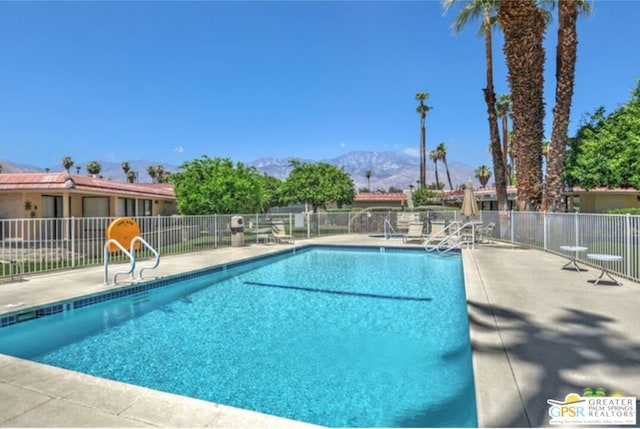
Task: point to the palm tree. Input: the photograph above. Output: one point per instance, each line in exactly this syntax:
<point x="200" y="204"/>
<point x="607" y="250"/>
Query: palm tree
<point x="158" y="174"/>
<point x="483" y="174"/>
<point x="442" y="156"/>
<point x="367" y="174"/>
<point x="422" y="110"/>
<point x="0" y="168"/>
<point x="125" y="167"/>
<point x="93" y="168"/>
<point x="132" y="176"/>
<point x="503" y="109"/>
<point x="523" y="25"/>
<point x="151" y="171"/>
<point x="483" y="9"/>
<point x="67" y="163"/>
<point x="566" y="53"/>
<point x="435" y="157"/>
<point x="78" y="168"/>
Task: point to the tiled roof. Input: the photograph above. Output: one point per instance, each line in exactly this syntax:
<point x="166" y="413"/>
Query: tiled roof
<point x="86" y="184"/>
<point x="375" y="196"/>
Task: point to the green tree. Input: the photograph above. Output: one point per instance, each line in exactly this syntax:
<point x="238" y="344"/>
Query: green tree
<point x="483" y="174"/>
<point x="606" y="149"/>
<point x="317" y="185"/>
<point x="67" y="163"/>
<point x="423" y="196"/>
<point x="367" y="174"/>
<point x="422" y="110"/>
<point x="209" y="186"/>
<point x="272" y="187"/>
<point x="93" y="168"/>
<point x="486" y="10"/>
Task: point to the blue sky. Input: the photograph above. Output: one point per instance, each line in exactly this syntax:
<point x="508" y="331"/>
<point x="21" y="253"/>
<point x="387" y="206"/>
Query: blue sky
<point x="172" y="81"/>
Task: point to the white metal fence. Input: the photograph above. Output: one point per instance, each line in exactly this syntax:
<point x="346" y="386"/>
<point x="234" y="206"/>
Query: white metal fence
<point x="599" y="233"/>
<point x="39" y="245"/>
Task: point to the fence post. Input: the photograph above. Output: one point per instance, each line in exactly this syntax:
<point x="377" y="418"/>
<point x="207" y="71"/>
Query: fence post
<point x="575" y="221"/>
<point x="512" y="222"/>
<point x="158" y="233"/>
<point x="544" y="230"/>
<point x="73" y="242"/>
<point x="627" y="228"/>
<point x="215" y="229"/>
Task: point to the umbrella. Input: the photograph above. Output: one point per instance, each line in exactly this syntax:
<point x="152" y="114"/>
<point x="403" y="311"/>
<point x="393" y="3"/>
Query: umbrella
<point x="469" y="205"/>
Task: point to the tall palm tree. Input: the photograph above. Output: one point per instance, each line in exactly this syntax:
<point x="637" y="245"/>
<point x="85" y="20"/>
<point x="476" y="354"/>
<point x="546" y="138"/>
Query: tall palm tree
<point x="483" y="174"/>
<point x="483" y="9"/>
<point x="422" y="110"/>
<point x="435" y="157"/>
<point x="367" y="174"/>
<point x="566" y="54"/>
<point x="442" y="156"/>
<point x="523" y="25"/>
<point x="67" y="163"/>
<point x="503" y="109"/>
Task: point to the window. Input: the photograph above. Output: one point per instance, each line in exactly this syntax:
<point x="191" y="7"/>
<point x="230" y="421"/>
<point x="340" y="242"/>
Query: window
<point x="95" y="206"/>
<point x="126" y="207"/>
<point x="144" y="208"/>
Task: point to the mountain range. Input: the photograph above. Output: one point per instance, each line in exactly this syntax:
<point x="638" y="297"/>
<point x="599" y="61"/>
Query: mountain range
<point x="388" y="169"/>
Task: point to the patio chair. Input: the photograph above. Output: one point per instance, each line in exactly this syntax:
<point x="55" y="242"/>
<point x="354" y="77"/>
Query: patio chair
<point x="485" y="233"/>
<point x="279" y="233"/>
<point x="415" y="232"/>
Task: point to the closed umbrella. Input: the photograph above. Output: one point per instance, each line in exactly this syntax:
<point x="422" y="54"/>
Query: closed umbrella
<point x="469" y="205"/>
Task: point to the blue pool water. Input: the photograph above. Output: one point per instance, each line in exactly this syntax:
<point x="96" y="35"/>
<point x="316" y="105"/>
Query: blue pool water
<point x="347" y="338"/>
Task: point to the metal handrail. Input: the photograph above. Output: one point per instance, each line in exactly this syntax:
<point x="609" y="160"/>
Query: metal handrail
<point x="131" y="254"/>
<point x="451" y="232"/>
<point x="388" y="223"/>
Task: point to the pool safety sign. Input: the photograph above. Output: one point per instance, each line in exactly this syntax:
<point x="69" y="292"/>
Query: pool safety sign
<point x="593" y="410"/>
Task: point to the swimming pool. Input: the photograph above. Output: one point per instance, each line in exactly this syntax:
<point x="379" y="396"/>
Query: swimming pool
<point x="334" y="337"/>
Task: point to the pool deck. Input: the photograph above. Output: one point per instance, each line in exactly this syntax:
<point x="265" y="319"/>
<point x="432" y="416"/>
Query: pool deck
<point x="538" y="332"/>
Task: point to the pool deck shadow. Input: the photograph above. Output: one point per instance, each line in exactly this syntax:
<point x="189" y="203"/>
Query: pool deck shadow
<point x="538" y="332"/>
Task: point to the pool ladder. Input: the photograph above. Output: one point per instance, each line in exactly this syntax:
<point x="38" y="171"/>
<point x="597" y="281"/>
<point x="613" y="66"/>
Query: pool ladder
<point x="131" y="254"/>
<point x="388" y="227"/>
<point x="451" y="238"/>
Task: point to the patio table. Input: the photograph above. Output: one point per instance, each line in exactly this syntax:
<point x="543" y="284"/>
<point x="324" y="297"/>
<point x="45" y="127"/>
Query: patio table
<point x="604" y="260"/>
<point x="575" y="250"/>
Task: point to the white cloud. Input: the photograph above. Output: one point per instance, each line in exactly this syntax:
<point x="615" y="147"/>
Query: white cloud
<point x="412" y="151"/>
<point x="179" y="149"/>
<point x="343" y="144"/>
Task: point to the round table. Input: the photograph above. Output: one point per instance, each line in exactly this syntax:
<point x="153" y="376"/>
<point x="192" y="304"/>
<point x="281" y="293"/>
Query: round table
<point x="575" y="250"/>
<point x="604" y="259"/>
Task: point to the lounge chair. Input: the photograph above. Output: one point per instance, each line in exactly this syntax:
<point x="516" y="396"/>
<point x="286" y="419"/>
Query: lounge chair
<point x="279" y="233"/>
<point x="415" y="232"/>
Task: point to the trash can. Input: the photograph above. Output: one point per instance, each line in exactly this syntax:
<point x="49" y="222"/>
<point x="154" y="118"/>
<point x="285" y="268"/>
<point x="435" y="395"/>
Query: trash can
<point x="237" y="231"/>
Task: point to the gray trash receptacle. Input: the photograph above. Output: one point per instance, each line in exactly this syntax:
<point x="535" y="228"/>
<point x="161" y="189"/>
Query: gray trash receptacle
<point x="237" y="231"/>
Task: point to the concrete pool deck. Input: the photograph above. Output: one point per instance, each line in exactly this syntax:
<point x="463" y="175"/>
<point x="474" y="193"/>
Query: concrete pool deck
<point x="538" y="332"/>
